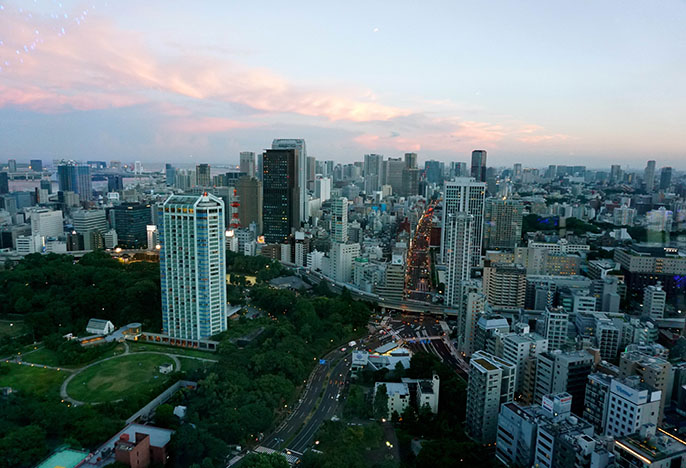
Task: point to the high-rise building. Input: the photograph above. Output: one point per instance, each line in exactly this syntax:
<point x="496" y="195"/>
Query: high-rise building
<point x="170" y="175"/>
<point x="115" y="183"/>
<point x="520" y="349"/>
<point x="410" y="184"/>
<point x="411" y="160"/>
<point x="300" y="174"/>
<point x="632" y="404"/>
<point x="393" y="174"/>
<point x="615" y="174"/>
<point x="281" y="206"/>
<point x="322" y="188"/>
<point x="373" y="173"/>
<point x="505" y="285"/>
<point x="490" y="328"/>
<point x="46" y="223"/>
<point x="339" y="220"/>
<point x="597" y="400"/>
<point x="311" y="165"/>
<point x="479" y="165"/>
<point x="130" y="221"/>
<point x="555" y="324"/>
<point x="4" y="183"/>
<point x="458" y="251"/>
<point x="474" y="307"/>
<point x="89" y="220"/>
<point x="491" y="383"/>
<point x="503" y="223"/>
<point x="433" y="171"/>
<point x="74" y="177"/>
<point x="342" y="257"/>
<point x="649" y="176"/>
<point x="558" y="371"/>
<point x="654" y="301"/>
<point x="36" y="165"/>
<point x="193" y="266"/>
<point x="654" y="371"/>
<point x="250" y="195"/>
<point x="468" y="196"/>
<point x="517" y="171"/>
<point x="12" y="165"/>
<point x="665" y="178"/>
<point x="203" y="177"/>
<point x="247" y="163"/>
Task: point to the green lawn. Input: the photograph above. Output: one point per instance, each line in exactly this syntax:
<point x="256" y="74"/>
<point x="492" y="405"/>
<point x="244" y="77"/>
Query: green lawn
<point x="189" y="365"/>
<point x="49" y="357"/>
<point x="12" y="328"/>
<point x="34" y="380"/>
<point x="118" y="378"/>
<point x="137" y="347"/>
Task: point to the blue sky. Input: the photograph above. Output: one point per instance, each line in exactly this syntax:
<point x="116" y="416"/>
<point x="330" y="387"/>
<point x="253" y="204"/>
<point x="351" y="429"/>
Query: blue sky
<point x="536" y="82"/>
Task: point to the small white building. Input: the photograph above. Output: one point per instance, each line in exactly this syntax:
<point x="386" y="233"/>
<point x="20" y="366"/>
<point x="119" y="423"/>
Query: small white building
<point x="166" y="368"/>
<point x="99" y="327"/>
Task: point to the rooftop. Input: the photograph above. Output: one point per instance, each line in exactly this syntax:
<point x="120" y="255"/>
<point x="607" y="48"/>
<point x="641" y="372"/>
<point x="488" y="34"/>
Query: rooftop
<point x="662" y="445"/>
<point x="64" y="458"/>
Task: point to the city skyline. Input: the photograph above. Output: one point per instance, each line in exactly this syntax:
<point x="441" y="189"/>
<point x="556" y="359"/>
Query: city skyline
<point x="134" y="82"/>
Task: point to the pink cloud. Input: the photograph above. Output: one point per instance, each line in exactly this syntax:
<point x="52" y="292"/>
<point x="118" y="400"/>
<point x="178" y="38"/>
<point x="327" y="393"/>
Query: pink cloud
<point x="208" y="125"/>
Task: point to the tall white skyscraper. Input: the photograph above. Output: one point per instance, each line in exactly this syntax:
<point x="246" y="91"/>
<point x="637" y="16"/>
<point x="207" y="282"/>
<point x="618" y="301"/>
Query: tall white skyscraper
<point x="458" y="251"/>
<point x="247" y="163"/>
<point x="193" y="266"/>
<point x="465" y="195"/>
<point x="301" y="170"/>
<point x="339" y="219"/>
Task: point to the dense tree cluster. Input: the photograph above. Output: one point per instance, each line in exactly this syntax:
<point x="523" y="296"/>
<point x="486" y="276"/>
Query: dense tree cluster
<point x="264" y="268"/>
<point x="55" y="294"/>
<point x="243" y="395"/>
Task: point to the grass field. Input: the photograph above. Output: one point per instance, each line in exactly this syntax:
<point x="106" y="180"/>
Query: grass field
<point x="34" y="380"/>
<point x="188" y="365"/>
<point x="118" y="378"/>
<point x="137" y="347"/>
<point x="12" y="328"/>
<point x="49" y="358"/>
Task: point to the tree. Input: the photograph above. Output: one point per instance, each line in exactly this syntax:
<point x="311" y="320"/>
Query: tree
<point x="165" y="417"/>
<point x="263" y="460"/>
<point x="381" y="402"/>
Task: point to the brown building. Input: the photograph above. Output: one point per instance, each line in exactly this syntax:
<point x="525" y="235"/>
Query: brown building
<point x="249" y="191"/>
<point x="139" y="446"/>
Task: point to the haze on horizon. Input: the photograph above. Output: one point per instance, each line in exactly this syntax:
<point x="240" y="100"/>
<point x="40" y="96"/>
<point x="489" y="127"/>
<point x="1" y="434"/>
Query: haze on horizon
<point x="536" y="82"/>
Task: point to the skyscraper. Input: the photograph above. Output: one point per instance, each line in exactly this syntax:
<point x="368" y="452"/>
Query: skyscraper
<point x="250" y="195"/>
<point x="466" y="195"/>
<point x="458" y="251"/>
<point x="411" y="160"/>
<point x="36" y="165"/>
<point x="12" y="165"/>
<point x="649" y="176"/>
<point x="247" y="163"/>
<point x="339" y="220"/>
<point x="373" y="169"/>
<point x="130" y="221"/>
<point x="503" y="223"/>
<point x="505" y="285"/>
<point x="665" y="178"/>
<point x="74" y="177"/>
<point x="479" y="165"/>
<point x="4" y="183"/>
<point x="311" y="165"/>
<point x="393" y="174"/>
<point x="170" y="175"/>
<point x="192" y="266"/>
<point x="433" y="171"/>
<point x="300" y="174"/>
<point x="202" y="174"/>
<point x="281" y="208"/>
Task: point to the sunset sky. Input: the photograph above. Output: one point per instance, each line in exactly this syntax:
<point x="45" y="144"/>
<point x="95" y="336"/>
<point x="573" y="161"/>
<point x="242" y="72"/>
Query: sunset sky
<point x="538" y="82"/>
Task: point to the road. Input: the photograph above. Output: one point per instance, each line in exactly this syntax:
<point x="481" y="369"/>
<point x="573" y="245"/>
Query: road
<point x="317" y="404"/>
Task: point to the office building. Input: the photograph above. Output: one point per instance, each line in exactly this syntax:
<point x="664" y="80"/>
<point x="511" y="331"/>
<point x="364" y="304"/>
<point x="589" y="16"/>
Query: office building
<point x="373" y="173"/>
<point x="193" y="266"/>
<point x="339" y="219"/>
<point x="649" y="176"/>
<point x="433" y="171"/>
<point x="12" y="165"/>
<point x="4" y="183"/>
<point x="505" y="285"/>
<point x="299" y="174"/>
<point x="474" y="307"/>
<point x="654" y="371"/>
<point x="411" y="160"/>
<point x="467" y="196"/>
<point x="74" y="177"/>
<point x="322" y="188"/>
<point x="394" y="279"/>
<point x="558" y="371"/>
<point x="130" y="221"/>
<point x="503" y="223"/>
<point x="311" y="165"/>
<point x="490" y="328"/>
<point x="458" y="251"/>
<point x="632" y="404"/>
<point x="280" y="194"/>
<point x="36" y="165"/>
<point x="555" y="324"/>
<point x="665" y="178"/>
<point x="170" y="175"/>
<point x="654" y="300"/>
<point x="393" y="174"/>
<point x="89" y="220"/>
<point x="491" y="383"/>
<point x="650" y="447"/>
<point x="247" y="163"/>
<point x="523" y="349"/>
<point x="410" y="182"/>
<point x="342" y="257"/>
<point x="46" y="223"/>
<point x="202" y="176"/>
<point x="479" y="165"/>
<point x="249" y="191"/>
<point x="644" y="265"/>
<point x="115" y="183"/>
<point x="597" y="400"/>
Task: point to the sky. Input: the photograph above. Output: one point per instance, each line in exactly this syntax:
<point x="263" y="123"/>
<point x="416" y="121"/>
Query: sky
<point x="536" y="82"/>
